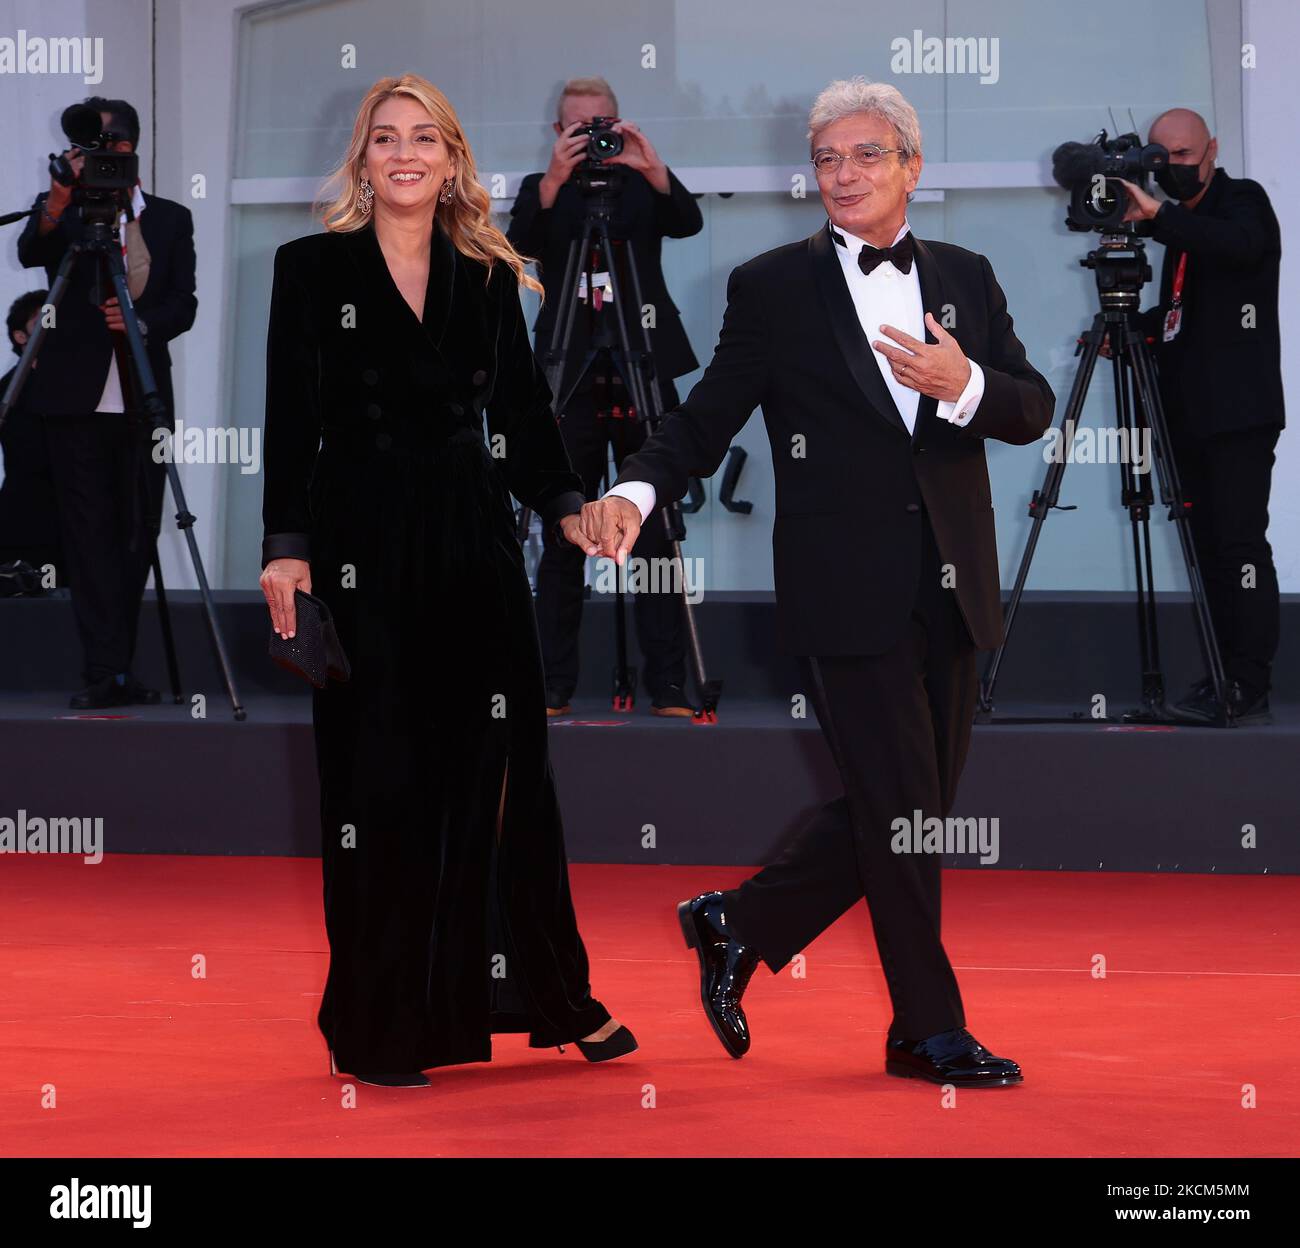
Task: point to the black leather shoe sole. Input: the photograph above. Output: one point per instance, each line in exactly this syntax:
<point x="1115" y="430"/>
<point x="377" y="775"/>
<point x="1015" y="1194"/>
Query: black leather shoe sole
<point x="687" y="920"/>
<point x="899" y="1070"/>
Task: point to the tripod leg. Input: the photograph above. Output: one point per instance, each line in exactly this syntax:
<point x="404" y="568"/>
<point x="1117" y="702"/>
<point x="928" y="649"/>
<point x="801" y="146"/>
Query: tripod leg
<point x="1046" y="497"/>
<point x="639" y="375"/>
<point x="144" y="385"/>
<point x="1136" y="498"/>
<point x="1171" y="495"/>
<point x="165" y="623"/>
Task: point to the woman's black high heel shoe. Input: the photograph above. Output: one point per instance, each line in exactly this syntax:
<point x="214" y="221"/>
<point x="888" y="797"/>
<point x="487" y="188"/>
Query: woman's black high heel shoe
<point x="619" y="1044"/>
<point x="416" y="1080"/>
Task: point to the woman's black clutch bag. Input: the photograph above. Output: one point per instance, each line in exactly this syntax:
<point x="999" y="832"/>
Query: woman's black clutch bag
<point x="314" y="651"/>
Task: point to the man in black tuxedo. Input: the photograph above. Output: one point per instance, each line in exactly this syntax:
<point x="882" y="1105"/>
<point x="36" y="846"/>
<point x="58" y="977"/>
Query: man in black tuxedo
<point x="885" y="563"/>
<point x="1219" y="351"/>
<point x="108" y="486"/>
<point x="548" y="214"/>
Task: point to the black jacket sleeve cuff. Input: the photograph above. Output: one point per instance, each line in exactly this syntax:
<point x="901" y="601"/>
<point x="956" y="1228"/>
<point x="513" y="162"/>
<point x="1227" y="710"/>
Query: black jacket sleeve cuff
<point x="286" y="546"/>
<point x="567" y="504"/>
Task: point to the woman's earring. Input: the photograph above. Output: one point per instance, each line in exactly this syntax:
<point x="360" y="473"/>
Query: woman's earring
<point x="365" y="196"/>
<point x="448" y="189"/>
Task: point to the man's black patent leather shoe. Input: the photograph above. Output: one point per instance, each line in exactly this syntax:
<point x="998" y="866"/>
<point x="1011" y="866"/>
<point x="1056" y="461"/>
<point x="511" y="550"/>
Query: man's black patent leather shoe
<point x="954" y="1057"/>
<point x="725" y="968"/>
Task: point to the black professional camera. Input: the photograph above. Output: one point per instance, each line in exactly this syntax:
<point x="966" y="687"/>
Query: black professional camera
<point x="603" y="141"/>
<point x="107" y="177"/>
<point x="1090" y="172"/>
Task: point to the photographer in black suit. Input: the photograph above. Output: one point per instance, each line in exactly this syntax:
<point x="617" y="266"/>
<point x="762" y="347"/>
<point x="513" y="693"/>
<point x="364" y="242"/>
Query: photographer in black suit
<point x="548" y="214"/>
<point x="108" y="485"/>
<point x="884" y="556"/>
<point x="1218" y="348"/>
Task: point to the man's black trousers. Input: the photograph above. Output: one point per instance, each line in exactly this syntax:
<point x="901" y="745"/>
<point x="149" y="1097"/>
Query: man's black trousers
<point x="1226" y="479"/>
<point x="109" y="493"/>
<point x="898" y="725"/>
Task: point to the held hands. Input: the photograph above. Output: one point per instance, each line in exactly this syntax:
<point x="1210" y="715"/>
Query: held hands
<point x="608" y="527"/>
<point x="279" y="579"/>
<point x="938" y="369"/>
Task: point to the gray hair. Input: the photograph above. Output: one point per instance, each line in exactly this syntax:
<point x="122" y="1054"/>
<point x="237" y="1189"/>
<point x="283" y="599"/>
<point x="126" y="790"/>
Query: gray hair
<point x="846" y="97"/>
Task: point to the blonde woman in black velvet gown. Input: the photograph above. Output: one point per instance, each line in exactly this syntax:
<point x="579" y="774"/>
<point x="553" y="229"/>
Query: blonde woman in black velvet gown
<point x="446" y="889"/>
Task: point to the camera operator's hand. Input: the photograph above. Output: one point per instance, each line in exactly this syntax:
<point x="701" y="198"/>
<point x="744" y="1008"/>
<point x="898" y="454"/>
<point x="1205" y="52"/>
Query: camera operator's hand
<point x="638" y="153"/>
<point x="1141" y="206"/>
<point x="60" y="196"/>
<point x="279" y="579"/>
<point x="113" y="315"/>
<point x="568" y="152"/>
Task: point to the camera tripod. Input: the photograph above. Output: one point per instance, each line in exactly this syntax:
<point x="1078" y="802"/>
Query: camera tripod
<point x="1121" y="270"/>
<point x="590" y="254"/>
<point x="100" y="245"/>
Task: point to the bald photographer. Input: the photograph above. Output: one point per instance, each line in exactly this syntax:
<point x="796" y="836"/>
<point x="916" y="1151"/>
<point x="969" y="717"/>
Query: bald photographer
<point x="1218" y="348"/>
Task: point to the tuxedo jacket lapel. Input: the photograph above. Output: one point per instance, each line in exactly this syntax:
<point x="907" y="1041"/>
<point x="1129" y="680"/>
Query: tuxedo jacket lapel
<point x="847" y="329"/>
<point x="932" y="299"/>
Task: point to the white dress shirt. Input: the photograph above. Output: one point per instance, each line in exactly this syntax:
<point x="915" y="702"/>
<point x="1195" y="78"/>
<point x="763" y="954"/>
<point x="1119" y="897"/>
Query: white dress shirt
<point x="882" y="297"/>
<point x="111" y="399"/>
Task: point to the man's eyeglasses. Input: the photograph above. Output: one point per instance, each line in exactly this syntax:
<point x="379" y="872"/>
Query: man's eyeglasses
<point x="864" y="156"/>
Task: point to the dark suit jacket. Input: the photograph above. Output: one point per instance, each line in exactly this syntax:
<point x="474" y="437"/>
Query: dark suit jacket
<point x="1218" y="376"/>
<point x="372" y="386"/>
<point x="73" y="363"/>
<point x="28" y="512"/>
<point x="645" y="218"/>
<point x="850" y="481"/>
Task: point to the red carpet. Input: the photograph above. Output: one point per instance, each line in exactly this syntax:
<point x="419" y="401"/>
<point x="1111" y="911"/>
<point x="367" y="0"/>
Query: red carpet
<point x="1199" y="1000"/>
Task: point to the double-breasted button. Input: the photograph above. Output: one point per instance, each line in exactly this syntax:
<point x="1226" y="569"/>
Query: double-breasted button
<point x="370" y="377"/>
<point x="383" y="441"/>
<point x="374" y="411"/>
<point x="912" y="507"/>
<point x="480" y="376"/>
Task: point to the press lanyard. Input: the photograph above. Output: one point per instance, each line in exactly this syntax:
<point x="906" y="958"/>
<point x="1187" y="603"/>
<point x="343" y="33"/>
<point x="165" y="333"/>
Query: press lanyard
<point x="1174" y="317"/>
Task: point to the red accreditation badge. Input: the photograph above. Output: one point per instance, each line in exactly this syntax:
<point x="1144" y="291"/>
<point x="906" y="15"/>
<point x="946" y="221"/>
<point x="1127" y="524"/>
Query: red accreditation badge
<point x="1173" y="322"/>
<point x="1174" y="317"/>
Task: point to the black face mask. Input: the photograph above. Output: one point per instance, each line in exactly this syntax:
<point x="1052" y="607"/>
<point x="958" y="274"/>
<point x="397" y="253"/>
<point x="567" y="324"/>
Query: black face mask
<point x="1180" y="181"/>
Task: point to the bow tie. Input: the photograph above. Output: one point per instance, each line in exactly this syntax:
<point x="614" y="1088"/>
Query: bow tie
<point x="900" y="254"/>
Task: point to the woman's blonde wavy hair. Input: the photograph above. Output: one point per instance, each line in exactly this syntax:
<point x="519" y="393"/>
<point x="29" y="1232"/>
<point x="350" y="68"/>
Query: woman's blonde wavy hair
<point x="466" y="220"/>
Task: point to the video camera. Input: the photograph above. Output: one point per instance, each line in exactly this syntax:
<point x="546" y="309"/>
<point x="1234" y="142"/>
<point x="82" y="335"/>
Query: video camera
<point x="1091" y="173"/>
<point x="107" y="177"/>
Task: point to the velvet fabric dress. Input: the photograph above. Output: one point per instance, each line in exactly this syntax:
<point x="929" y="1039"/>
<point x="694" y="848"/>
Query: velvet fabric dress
<point x="378" y="470"/>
